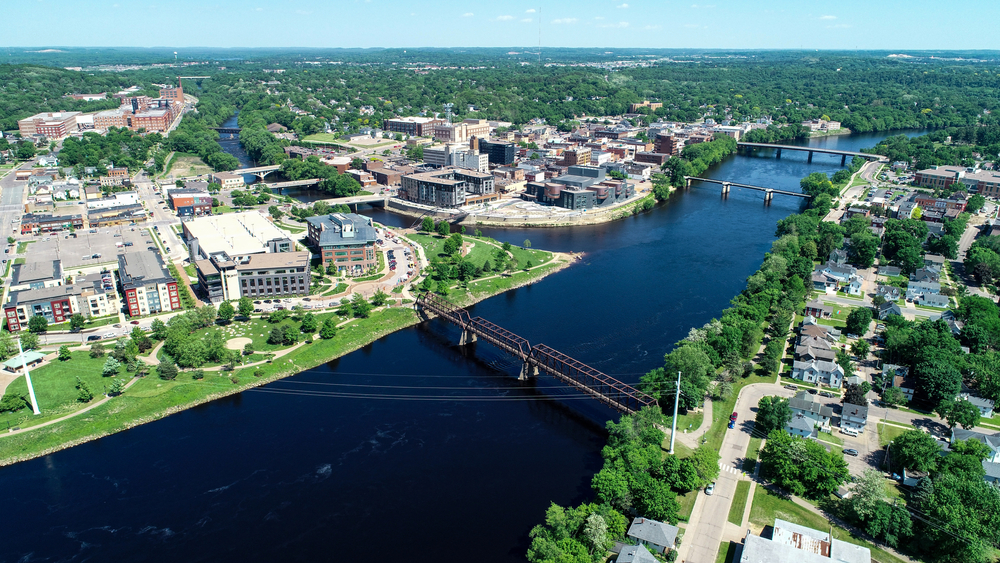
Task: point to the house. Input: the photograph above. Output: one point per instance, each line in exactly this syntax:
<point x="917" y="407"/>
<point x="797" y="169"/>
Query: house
<point x="992" y="441"/>
<point x="888" y="308"/>
<point x="818" y="371"/>
<point x="30" y="358"/>
<point x="854" y="287"/>
<point x="926" y="275"/>
<point x="888" y="292"/>
<point x="953" y="323"/>
<point x="813" y="353"/>
<point x="916" y="290"/>
<point x="934" y="300"/>
<point x="635" y="554"/>
<point x="854" y="416"/>
<point x="810" y="327"/>
<point x="889" y="271"/>
<point x="985" y="406"/>
<point x="838" y="256"/>
<point x="655" y="536"/>
<point x="899" y="376"/>
<point x="818" y="310"/>
<point x="935" y="260"/>
<point x="802" y="427"/>
<point x="824" y="283"/>
<point x="792" y="543"/>
<point x="803" y="404"/>
<point x="841" y="273"/>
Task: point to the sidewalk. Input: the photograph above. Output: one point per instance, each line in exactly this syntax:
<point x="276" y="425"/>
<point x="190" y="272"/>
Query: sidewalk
<point x="692" y="439"/>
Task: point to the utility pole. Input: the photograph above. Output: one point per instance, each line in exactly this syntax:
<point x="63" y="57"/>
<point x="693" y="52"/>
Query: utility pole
<point x="673" y="426"/>
<point x="27" y="377"/>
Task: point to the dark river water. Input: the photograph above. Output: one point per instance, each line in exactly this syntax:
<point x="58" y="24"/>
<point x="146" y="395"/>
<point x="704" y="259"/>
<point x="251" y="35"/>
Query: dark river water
<point x="413" y="449"/>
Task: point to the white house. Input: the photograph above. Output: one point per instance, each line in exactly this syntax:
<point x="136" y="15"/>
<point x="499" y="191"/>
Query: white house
<point x="854" y="417"/>
<point x="819" y="371"/>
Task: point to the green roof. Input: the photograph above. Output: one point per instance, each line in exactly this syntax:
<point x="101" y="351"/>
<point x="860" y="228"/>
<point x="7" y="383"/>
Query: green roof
<point x="30" y="356"/>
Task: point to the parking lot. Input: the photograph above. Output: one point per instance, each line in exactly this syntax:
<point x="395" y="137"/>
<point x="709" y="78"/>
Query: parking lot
<point x="89" y="248"/>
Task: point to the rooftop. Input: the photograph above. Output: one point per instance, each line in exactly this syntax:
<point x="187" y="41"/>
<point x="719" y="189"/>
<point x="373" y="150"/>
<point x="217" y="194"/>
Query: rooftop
<point x="141" y="268"/>
<point x="654" y="532"/>
<point x="343" y="228"/>
<point x="46" y="294"/>
<point x="233" y="234"/>
<point x="635" y="554"/>
<point x="38" y="271"/>
<point x="792" y="543"/>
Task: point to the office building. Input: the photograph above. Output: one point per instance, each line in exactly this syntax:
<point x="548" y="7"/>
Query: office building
<point x="449" y="187"/>
<point x="461" y="132"/>
<point x="582" y="188"/>
<point x="52" y="125"/>
<point x="668" y="144"/>
<point x="228" y="180"/>
<point x="234" y="235"/>
<point x="653" y="106"/>
<point x="146" y="284"/>
<point x="499" y="153"/>
<point x="346" y="240"/>
<point x="271" y="275"/>
<point x="413" y="126"/>
<point x="190" y="201"/>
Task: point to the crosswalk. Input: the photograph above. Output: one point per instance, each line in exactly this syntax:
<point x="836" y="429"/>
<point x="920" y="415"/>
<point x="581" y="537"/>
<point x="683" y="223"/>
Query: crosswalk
<point x="730" y="469"/>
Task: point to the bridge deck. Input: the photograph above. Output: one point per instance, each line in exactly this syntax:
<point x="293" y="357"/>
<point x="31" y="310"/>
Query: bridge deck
<point x="257" y="169"/>
<point x="807" y="149"/>
<point x="748" y="186"/>
<point x="606" y="389"/>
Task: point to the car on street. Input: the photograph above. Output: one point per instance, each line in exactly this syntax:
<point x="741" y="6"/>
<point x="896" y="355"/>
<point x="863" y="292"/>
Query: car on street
<point x="710" y="489"/>
<point x="135" y="322"/>
<point x="732" y="424"/>
<point x="733" y="416"/>
<point x="826" y="394"/>
<point x="93" y="337"/>
<point x="792" y="387"/>
<point x="851" y="451"/>
<point x="109" y="335"/>
<point x="812" y="391"/>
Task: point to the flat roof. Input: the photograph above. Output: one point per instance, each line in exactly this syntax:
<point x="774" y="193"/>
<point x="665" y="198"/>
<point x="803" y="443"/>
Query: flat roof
<point x="299" y="259"/>
<point x="234" y="234"/>
<point x="36" y="271"/>
<point x="142" y="268"/>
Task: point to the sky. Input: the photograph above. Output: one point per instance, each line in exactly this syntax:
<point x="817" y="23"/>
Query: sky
<point x="767" y="24"/>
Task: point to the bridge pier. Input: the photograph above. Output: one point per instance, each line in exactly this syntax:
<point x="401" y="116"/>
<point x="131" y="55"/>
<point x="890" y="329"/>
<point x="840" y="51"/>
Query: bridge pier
<point x="768" y="196"/>
<point x="687" y="182"/>
<point x="725" y="189"/>
<point x="527" y="371"/>
<point x="810" y="157"/>
<point x="843" y="159"/>
<point x="778" y="154"/>
<point x="468" y="337"/>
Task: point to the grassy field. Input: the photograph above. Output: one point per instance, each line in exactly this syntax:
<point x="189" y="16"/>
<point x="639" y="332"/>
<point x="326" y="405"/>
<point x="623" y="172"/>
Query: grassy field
<point x="739" y="504"/>
<point x="183" y="164"/>
<point x="89" y="323"/>
<point x="686" y="502"/>
<point x="888" y="433"/>
<point x="767" y="506"/>
<point x="753" y="450"/>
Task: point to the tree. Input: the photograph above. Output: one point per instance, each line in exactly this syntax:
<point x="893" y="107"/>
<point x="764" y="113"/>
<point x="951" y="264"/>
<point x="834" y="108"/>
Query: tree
<point x="309" y="324"/>
<point x="167" y="370"/>
<point x="915" y="450"/>
<point x="362" y="308"/>
<point x="76" y="321"/>
<point x="111" y="367"/>
<point x="860" y="348"/>
<point x="245" y="306"/>
<point x="84" y="394"/>
<point x="854" y="395"/>
<point x="975" y="203"/>
<point x="893" y="396"/>
<point x="427" y="225"/>
<point x="142" y="342"/>
<point x="939" y="380"/>
<point x="380" y="298"/>
<point x="802" y="467"/>
<point x="117" y="387"/>
<point x="159" y="329"/>
<point x="275" y="212"/>
<point x="443" y="228"/>
<point x="859" y="320"/>
<point x="864" y="245"/>
<point x="226" y="312"/>
<point x="38" y="324"/>
<point x="97" y="350"/>
<point x="248" y="349"/>
<point x="960" y="412"/>
<point x="526" y="243"/>
<point x="329" y="329"/>
<point x="773" y="413"/>
<point x="596" y="533"/>
<point x="29" y="341"/>
<point x="64" y="353"/>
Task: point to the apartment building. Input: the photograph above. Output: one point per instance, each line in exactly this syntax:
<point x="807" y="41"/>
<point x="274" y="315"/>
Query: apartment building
<point x="36" y="275"/>
<point x="668" y="144"/>
<point x="228" y="180"/>
<point x="146" y="283"/>
<point x="55" y="303"/>
<point x="575" y="157"/>
<point x="413" y="126"/>
<point x="270" y="275"/>
<point x="52" y="125"/>
<point x="346" y="240"/>
<point x="498" y="153"/>
<point x="449" y="187"/>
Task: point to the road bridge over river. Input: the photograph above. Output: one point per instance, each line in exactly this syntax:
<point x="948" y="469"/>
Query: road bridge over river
<point x="811" y="150"/>
<point x="768" y="192"/>
<point x="541" y="358"/>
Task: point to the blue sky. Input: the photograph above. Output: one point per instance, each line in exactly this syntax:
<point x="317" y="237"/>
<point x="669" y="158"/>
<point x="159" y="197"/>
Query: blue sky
<point x="768" y="24"/>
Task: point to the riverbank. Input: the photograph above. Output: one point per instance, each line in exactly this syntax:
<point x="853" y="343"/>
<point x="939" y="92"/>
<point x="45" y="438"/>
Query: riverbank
<point x="150" y="398"/>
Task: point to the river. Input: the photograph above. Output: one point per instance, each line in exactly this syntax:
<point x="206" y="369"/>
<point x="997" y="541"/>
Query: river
<point x="412" y="449"/>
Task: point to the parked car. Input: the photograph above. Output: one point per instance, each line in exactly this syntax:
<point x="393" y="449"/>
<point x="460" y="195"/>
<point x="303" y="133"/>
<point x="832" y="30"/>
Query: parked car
<point x="812" y="391"/>
<point x="109" y="335"/>
<point x="732" y="424"/>
<point x="93" y="337"/>
<point x="733" y="416"/>
<point x="851" y="451"/>
<point x="792" y="387"/>
<point x="826" y="394"/>
<point x="710" y="489"/>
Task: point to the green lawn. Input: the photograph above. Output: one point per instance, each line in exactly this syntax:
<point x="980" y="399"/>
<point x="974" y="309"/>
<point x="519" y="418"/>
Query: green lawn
<point x="23" y="245"/>
<point x="888" y="433"/>
<point x="727" y="552"/>
<point x="721" y="411"/>
<point x="221" y="209"/>
<point x="89" y="323"/>
<point x="832" y="438"/>
<point x="753" y="450"/>
<point x="686" y="502"/>
<point x="739" y="502"/>
<point x="55" y="389"/>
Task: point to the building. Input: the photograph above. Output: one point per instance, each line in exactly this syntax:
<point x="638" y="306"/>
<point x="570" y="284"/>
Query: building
<point x="234" y="235"/>
<point x="635" y="554"/>
<point x="668" y="144"/>
<point x="228" y="180"/>
<point x="362" y="177"/>
<point x="888" y="309"/>
<point x="956" y="202"/>
<point x="52" y="125"/>
<point x="653" y="106"/>
<point x="472" y="160"/>
<point x="985" y="406"/>
<point x="818" y="371"/>
<point x="121" y="215"/>
<point x="817" y="414"/>
<point x="814" y="349"/>
<point x="146" y="283"/>
<point x="98" y="296"/>
<point x="498" y="153"/>
<point x="116" y="199"/>
<point x="888" y="292"/>
<point x="899" y="376"/>
<point x="412" y="126"/>
<point x="461" y="132"/>
<point x="818" y="310"/>
<point x="346" y="240"/>
<point x="449" y="187"/>
<point x="657" y="158"/>
<point x="190" y="201"/>
<point x="271" y="275"/>
<point x="386" y="177"/>
<point x="56" y="304"/>
<point x="582" y="187"/>
<point x="939" y="176"/>
<point x="47" y="223"/>
<point x="917" y="290"/>
<point x="31" y="358"/>
<point x="575" y="157"/>
<point x="174" y="94"/>
<point x="792" y="543"/>
<point x="821" y="125"/>
<point x="36" y="275"/>
<point x="655" y="536"/>
<point x="854" y="417"/>
<point x="801" y="427"/>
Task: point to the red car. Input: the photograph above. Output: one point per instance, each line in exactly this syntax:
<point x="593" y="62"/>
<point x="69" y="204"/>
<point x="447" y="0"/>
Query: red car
<point x="733" y="417"/>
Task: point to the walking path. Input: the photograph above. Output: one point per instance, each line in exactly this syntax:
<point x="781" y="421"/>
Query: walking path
<point x="88" y="408"/>
<point x="692" y="439"/>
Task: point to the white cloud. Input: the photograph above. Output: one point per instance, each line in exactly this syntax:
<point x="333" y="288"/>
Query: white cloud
<point x="529" y="11"/>
<point x="623" y="5"/>
<point x="828" y="17"/>
<point x="467" y="15"/>
<point x="564" y="21"/>
<point x="504" y="18"/>
<point x="619" y="25"/>
<point x="526" y="20"/>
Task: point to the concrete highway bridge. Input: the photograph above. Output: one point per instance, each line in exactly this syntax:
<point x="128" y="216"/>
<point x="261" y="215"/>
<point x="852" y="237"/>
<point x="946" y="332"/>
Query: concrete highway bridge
<point x="768" y="192"/>
<point x="811" y="150"/>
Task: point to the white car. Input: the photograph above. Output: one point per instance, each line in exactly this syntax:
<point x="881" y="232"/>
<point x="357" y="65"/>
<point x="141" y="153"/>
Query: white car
<point x="109" y="335"/>
<point x="710" y="489"/>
